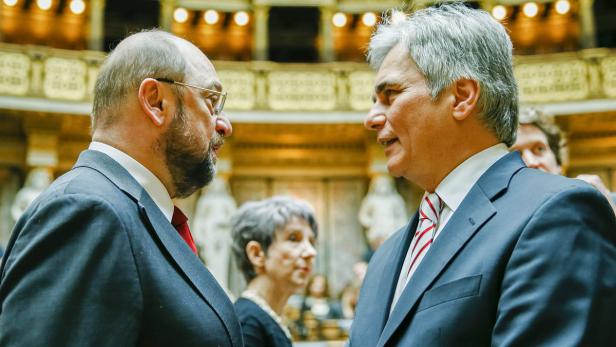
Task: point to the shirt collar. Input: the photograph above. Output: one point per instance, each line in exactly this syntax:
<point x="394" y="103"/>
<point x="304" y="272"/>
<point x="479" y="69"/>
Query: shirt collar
<point x="459" y="182"/>
<point x="152" y="185"/>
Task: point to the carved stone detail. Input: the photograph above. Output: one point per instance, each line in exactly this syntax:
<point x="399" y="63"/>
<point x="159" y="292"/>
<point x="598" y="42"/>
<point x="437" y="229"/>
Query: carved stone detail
<point x="65" y="78"/>
<point x="553" y="81"/>
<point x="14" y="73"/>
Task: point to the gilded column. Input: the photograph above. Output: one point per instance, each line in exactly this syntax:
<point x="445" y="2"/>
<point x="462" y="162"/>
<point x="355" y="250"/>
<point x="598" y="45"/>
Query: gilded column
<point x="261" y="45"/>
<point x="96" y="39"/>
<point x="326" y="48"/>
<point x="587" y="24"/>
<point x="166" y="14"/>
<point x="1" y="14"/>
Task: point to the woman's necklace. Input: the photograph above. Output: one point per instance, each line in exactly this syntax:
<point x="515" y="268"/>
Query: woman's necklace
<point x="257" y="299"/>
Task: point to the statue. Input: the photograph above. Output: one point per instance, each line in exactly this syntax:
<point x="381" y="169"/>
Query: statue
<point x="38" y="180"/>
<point x="212" y="229"/>
<point x="382" y="212"/>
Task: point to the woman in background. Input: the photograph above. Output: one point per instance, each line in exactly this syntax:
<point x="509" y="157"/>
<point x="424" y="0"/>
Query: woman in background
<point x="273" y="245"/>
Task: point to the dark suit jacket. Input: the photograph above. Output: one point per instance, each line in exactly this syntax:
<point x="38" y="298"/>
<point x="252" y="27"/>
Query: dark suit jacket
<point x="259" y="329"/>
<point x="528" y="259"/>
<point x="94" y="262"/>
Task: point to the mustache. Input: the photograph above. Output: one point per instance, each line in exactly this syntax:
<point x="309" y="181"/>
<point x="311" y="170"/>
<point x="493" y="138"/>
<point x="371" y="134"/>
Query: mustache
<point x="217" y="141"/>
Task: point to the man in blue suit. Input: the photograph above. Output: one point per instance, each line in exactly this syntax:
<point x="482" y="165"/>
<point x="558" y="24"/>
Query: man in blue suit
<point x="498" y="254"/>
<point x="102" y="257"/>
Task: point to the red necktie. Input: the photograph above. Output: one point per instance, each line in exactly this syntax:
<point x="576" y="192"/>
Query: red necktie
<point x="180" y="223"/>
<point x="429" y="213"/>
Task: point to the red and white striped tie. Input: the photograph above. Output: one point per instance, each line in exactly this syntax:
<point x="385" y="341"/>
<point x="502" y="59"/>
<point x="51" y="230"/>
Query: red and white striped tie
<point x="429" y="213"/>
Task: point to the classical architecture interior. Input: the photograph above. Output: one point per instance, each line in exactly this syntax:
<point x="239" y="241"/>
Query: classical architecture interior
<point x="298" y="89"/>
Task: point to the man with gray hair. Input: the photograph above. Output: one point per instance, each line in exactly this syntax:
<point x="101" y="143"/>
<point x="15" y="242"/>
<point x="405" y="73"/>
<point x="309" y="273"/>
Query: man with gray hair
<point x="103" y="257"/>
<point x="498" y="254"/>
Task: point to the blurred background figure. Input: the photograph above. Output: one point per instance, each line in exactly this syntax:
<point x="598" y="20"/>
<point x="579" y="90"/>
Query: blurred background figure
<point x="274" y="247"/>
<point x="317" y="300"/>
<point x="38" y="179"/>
<point x="213" y="229"/>
<point x="319" y="311"/>
<point x="350" y="293"/>
<point x="382" y="211"/>
<point x="542" y="146"/>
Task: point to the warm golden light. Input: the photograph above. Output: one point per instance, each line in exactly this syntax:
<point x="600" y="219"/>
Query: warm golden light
<point x="211" y="17"/>
<point x="43" y="4"/>
<point x="398" y="17"/>
<point x="530" y="9"/>
<point x="339" y="19"/>
<point x="240" y="18"/>
<point x="77" y="6"/>
<point x="562" y="6"/>
<point x="180" y="15"/>
<point x="499" y="12"/>
<point x="10" y="2"/>
<point x="369" y="19"/>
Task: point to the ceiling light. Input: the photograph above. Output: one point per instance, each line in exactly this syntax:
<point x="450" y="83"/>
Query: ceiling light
<point x="530" y="9"/>
<point x="240" y="18"/>
<point x="369" y="19"/>
<point x="10" y="2"/>
<point x="562" y="6"/>
<point x="180" y="15"/>
<point x="339" y="19"/>
<point x="499" y="12"/>
<point x="43" y="4"/>
<point x="211" y="17"/>
<point x="77" y="6"/>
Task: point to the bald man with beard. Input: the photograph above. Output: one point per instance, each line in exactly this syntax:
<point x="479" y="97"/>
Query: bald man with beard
<point x="103" y="257"/>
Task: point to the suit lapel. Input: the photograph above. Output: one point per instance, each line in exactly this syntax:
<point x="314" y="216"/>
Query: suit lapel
<point x="474" y="211"/>
<point x="389" y="279"/>
<point x="196" y="273"/>
<point x="162" y="231"/>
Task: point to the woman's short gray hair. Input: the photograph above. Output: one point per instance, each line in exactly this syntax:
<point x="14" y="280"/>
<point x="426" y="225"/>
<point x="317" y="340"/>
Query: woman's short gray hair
<point x="149" y="53"/>
<point x="260" y="220"/>
<point x="450" y="42"/>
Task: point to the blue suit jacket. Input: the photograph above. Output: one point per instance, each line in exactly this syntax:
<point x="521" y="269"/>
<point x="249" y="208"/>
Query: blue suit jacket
<point x="94" y="262"/>
<point x="528" y="259"/>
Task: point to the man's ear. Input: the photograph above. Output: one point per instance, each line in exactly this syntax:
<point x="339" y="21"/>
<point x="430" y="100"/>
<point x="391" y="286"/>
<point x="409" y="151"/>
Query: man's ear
<point x="152" y="101"/>
<point x="256" y="255"/>
<point x="466" y="92"/>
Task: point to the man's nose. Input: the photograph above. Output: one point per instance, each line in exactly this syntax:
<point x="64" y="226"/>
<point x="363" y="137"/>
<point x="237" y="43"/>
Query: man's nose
<point x="375" y="119"/>
<point x="309" y="250"/>
<point x="223" y="125"/>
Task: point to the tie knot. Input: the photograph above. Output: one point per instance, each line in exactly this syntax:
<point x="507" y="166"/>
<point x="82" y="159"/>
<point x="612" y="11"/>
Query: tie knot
<point x="431" y="207"/>
<point x="179" y="218"/>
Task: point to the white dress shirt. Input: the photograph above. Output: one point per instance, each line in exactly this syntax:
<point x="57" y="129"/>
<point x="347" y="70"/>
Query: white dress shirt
<point x="152" y="185"/>
<point x="452" y="190"/>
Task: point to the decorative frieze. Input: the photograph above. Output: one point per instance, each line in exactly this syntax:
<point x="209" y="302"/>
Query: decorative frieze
<point x="39" y="72"/>
<point x="14" y="73"/>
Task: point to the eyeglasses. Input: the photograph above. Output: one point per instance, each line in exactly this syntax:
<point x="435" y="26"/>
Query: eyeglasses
<point x="218" y="102"/>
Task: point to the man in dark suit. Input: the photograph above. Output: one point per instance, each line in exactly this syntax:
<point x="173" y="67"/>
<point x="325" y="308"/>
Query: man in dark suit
<point x="498" y="254"/>
<point x="102" y="257"/>
<point x="540" y="143"/>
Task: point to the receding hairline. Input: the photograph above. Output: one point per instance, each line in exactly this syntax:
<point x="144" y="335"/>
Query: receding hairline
<point x="133" y="44"/>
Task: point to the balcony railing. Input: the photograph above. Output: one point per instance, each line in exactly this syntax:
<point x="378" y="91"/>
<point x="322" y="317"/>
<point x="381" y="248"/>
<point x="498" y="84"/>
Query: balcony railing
<point x="68" y="76"/>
